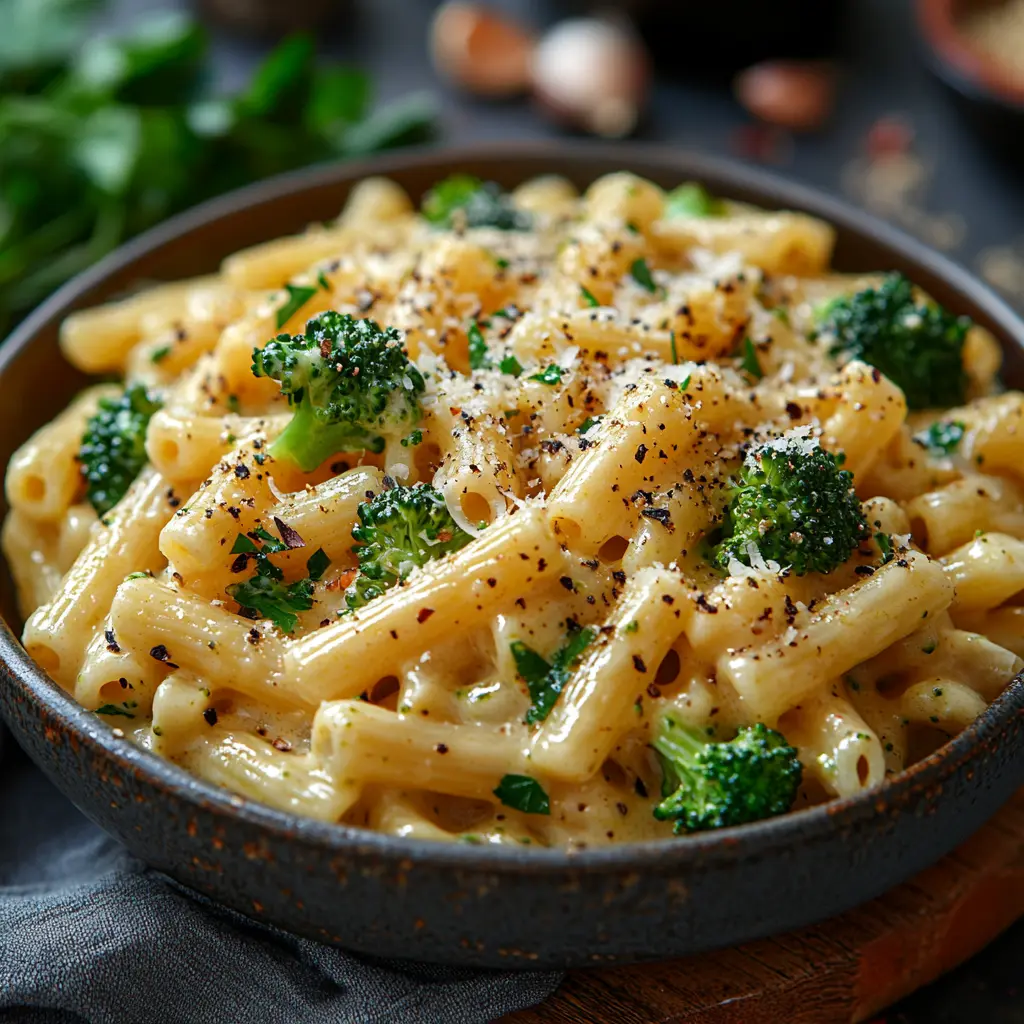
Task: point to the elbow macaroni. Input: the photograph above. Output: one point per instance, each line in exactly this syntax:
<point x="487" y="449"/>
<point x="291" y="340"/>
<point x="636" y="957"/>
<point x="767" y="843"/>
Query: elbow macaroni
<point x="587" y="490"/>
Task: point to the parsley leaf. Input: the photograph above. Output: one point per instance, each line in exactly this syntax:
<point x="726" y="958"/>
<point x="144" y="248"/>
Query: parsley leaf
<point x="641" y="273"/>
<point x="750" y="362"/>
<point x="113" y="709"/>
<point x="298" y="296"/>
<point x="884" y="543"/>
<point x="266" y="595"/>
<point x="317" y="564"/>
<point x="511" y="365"/>
<point x="588" y="296"/>
<point x="549" y="375"/>
<point x="590" y="421"/>
<point x="692" y="200"/>
<point x="522" y="793"/>
<point x="545" y="680"/>
<point x="942" y="438"/>
<point x="477" y="348"/>
<point x="268" y="598"/>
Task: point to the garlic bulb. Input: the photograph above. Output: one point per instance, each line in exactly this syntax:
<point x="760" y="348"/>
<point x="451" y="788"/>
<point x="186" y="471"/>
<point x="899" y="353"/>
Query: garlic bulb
<point x="593" y="74"/>
<point x="480" y="51"/>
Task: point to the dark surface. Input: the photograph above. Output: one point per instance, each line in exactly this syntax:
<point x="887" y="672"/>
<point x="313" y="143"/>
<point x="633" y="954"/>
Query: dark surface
<point x="496" y="906"/>
<point x="883" y="75"/>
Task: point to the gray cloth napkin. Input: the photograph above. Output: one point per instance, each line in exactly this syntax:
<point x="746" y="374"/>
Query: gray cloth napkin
<point x="88" y="933"/>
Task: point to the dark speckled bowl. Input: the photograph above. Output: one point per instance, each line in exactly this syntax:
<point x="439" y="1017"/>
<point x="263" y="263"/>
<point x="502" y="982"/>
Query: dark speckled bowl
<point x="468" y="904"/>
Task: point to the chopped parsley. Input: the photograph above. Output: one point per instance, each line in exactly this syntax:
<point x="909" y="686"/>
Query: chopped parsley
<point x="523" y="793"/>
<point x="298" y="296"/>
<point x="942" y="438"/>
<point x="590" y="421"/>
<point x="693" y="200"/>
<point x="266" y="595"/>
<point x="749" y="360"/>
<point x="549" y="375"/>
<point x="544" y="679"/>
<point x="511" y="365"/>
<point x="672" y="343"/>
<point x="478" y="359"/>
<point x="884" y="543"/>
<point x="589" y="297"/>
<point x="158" y="355"/>
<point x="415" y="438"/>
<point x="641" y="273"/>
<point x="114" y="709"/>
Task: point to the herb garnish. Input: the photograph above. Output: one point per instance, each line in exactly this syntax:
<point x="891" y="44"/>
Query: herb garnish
<point x="522" y="793"/>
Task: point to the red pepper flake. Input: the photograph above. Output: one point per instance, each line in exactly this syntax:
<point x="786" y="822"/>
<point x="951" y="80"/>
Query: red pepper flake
<point x="441" y="748"/>
<point x="424" y="614"/>
<point x="210" y="714"/>
<point x="281" y="744"/>
<point x="641" y="453"/>
<point x="567" y="582"/>
<point x="112" y="644"/>
<point x="638" y="663"/>
<point x="291" y="538"/>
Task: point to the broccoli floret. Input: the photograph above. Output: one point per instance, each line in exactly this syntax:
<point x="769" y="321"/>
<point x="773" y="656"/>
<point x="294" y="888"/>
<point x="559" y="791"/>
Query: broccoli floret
<point x="713" y="785"/>
<point x="398" y="530"/>
<point x="484" y="204"/>
<point x="793" y="505"/>
<point x="350" y="383"/>
<point x="113" y="448"/>
<point x="918" y="345"/>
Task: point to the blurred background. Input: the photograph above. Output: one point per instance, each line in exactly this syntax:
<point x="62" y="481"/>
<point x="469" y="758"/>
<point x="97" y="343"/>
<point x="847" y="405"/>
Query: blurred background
<point x="115" y="114"/>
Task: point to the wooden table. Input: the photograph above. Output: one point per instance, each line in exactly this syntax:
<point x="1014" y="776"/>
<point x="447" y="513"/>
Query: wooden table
<point x="841" y="971"/>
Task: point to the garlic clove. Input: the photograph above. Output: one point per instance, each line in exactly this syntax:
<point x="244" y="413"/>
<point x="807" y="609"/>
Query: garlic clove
<point x="793" y="94"/>
<point x="480" y="51"/>
<point x="592" y="74"/>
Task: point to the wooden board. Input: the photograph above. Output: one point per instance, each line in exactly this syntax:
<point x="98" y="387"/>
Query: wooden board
<point x="843" y="971"/>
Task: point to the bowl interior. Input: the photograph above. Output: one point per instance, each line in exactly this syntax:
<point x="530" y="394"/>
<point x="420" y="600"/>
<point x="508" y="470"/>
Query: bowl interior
<point x="35" y="382"/>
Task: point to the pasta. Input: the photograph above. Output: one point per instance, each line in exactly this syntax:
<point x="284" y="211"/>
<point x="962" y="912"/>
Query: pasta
<point x="480" y="524"/>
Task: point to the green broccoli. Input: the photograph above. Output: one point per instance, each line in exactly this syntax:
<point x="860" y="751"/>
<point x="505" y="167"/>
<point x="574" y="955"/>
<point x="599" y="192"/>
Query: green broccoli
<point x="113" y="448"/>
<point x="399" y="529"/>
<point x="793" y="505"/>
<point x="350" y="383"/>
<point x="918" y="345"/>
<point x="710" y="784"/>
<point x="484" y="204"/>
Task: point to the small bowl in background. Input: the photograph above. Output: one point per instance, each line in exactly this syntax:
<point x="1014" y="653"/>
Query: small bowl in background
<point x="988" y="92"/>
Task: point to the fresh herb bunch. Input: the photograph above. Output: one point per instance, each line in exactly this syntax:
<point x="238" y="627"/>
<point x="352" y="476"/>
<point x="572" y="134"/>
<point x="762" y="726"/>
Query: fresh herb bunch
<point x="708" y="785"/>
<point x="105" y="136"/>
<point x="349" y="383"/>
<point x="482" y="204"/>
<point x="917" y="345"/>
<point x="398" y="530"/>
<point x="113" y="448"/>
<point x="791" y="504"/>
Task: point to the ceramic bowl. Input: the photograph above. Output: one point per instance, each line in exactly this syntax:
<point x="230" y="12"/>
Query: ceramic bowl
<point x="459" y="903"/>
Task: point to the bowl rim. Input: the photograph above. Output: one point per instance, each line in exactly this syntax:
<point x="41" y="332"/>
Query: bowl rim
<point x="944" y="34"/>
<point x="737" y="844"/>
